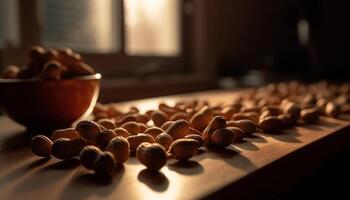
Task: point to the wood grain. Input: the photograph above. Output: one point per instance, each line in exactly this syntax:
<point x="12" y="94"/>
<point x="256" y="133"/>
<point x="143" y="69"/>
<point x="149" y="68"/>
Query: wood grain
<point x="262" y="166"/>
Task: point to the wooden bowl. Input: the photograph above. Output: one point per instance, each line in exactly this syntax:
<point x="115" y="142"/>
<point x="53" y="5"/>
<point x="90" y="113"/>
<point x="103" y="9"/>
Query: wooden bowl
<point x="49" y="104"/>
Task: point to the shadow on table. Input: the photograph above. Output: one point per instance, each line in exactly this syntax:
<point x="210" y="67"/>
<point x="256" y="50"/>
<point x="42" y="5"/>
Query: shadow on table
<point x="16" y="141"/>
<point x="155" y="180"/>
<point x="188" y="167"/>
<point x="289" y="135"/>
<point x="83" y="186"/>
<point x="231" y="156"/>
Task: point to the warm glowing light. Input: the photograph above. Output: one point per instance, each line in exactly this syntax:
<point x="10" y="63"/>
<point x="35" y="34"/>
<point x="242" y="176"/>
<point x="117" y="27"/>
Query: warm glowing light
<point x="152" y="27"/>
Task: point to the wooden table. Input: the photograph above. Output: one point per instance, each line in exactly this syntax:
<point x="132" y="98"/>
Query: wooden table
<point x="262" y="166"/>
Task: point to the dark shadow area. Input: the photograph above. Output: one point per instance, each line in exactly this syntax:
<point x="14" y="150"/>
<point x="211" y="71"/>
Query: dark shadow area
<point x="288" y="135"/>
<point x="91" y="185"/>
<point x="155" y="180"/>
<point x="63" y="165"/>
<point x="223" y="152"/>
<point x="247" y="145"/>
<point x="323" y="122"/>
<point x="37" y="163"/>
<point x="16" y="141"/>
<point x="231" y="156"/>
<point x="256" y="138"/>
<point x="345" y="117"/>
<point x="187" y="167"/>
<point x="312" y="126"/>
<point x="329" y="181"/>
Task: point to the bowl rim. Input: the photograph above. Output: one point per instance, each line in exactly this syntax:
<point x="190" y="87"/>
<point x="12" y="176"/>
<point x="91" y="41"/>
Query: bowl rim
<point x="96" y="76"/>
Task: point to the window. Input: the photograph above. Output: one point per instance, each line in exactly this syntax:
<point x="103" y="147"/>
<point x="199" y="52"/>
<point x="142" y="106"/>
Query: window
<point x="83" y="25"/>
<point x="158" y="21"/>
<point x="119" y="37"/>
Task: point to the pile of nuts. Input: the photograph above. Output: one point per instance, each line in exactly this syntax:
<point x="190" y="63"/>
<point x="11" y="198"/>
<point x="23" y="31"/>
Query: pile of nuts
<point x="49" y="64"/>
<point x="178" y="131"/>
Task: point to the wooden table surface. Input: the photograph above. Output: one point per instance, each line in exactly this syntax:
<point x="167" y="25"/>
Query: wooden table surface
<point x="262" y="166"/>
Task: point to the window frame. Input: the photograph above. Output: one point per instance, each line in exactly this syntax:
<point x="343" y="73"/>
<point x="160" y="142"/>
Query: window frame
<point x="118" y="63"/>
<point x="193" y="69"/>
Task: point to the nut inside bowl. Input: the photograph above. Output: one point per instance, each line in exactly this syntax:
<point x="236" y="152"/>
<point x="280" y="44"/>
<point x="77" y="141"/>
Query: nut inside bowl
<point x="49" y="104"/>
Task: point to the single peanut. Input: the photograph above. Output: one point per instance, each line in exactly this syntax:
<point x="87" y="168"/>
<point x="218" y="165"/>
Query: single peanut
<point x="136" y="140"/>
<point x="142" y="118"/>
<point x="286" y="119"/>
<point x="180" y="115"/>
<point x="164" y="139"/>
<point x="69" y="133"/>
<point x="271" y="124"/>
<point x="246" y="125"/>
<point x="242" y="116"/>
<point x="121" y="132"/>
<point x="309" y="115"/>
<point x="159" y="118"/>
<point x="201" y="119"/>
<point x="119" y="147"/>
<point x="52" y="70"/>
<point x="178" y="129"/>
<point x="153" y="156"/>
<point x="166" y="125"/>
<point x="105" y="164"/>
<point x="104" y="137"/>
<point x="154" y="131"/>
<point x="274" y="110"/>
<point x="142" y="127"/>
<point x="41" y="146"/>
<point x="64" y="148"/>
<point x="88" y="156"/>
<point x="222" y="137"/>
<point x="238" y="134"/>
<point x="184" y="149"/>
<point x="293" y="110"/>
<point x="195" y="137"/>
<point x="332" y="109"/>
<point x="107" y="123"/>
<point x="131" y="127"/>
<point x="125" y="119"/>
<point x="216" y="123"/>
<point x="88" y="129"/>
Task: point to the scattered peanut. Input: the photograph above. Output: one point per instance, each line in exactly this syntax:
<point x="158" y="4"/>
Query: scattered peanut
<point x="104" y="137"/>
<point x="222" y="137"/>
<point x="107" y="123"/>
<point x="153" y="156"/>
<point x="216" y="123"/>
<point x="184" y="149"/>
<point x="159" y="118"/>
<point x="246" y="125"/>
<point x="136" y="140"/>
<point x="64" y="148"/>
<point x="69" y="133"/>
<point x="105" y="164"/>
<point x="41" y="146"/>
<point x="88" y="156"/>
<point x="88" y="129"/>
<point x="178" y="129"/>
<point x="271" y="124"/>
<point x="121" y="132"/>
<point x="119" y="147"/>
<point x="164" y="139"/>
<point x="154" y="131"/>
<point x="131" y="127"/>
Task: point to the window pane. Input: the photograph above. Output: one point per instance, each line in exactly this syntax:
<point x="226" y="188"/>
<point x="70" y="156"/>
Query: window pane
<point x="83" y="25"/>
<point x="152" y="27"/>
